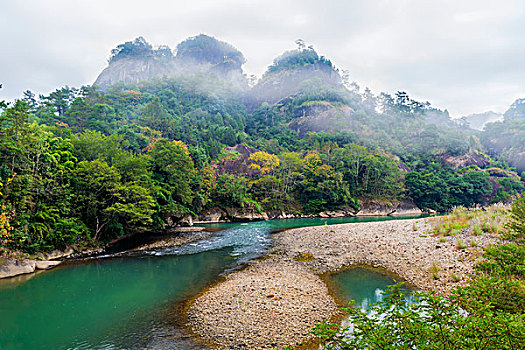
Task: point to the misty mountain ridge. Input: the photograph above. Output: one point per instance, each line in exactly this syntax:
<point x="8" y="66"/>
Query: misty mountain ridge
<point x="477" y="121"/>
<point x="136" y="61"/>
<point x="303" y="92"/>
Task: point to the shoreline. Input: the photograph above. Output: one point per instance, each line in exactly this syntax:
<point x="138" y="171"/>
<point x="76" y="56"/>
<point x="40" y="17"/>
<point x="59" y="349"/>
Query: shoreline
<point x="403" y="247"/>
<point x="13" y="267"/>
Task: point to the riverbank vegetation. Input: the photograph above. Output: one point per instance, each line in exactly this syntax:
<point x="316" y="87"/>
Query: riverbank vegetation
<point x="488" y="313"/>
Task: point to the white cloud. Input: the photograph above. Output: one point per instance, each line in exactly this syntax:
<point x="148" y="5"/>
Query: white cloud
<point x="465" y="56"/>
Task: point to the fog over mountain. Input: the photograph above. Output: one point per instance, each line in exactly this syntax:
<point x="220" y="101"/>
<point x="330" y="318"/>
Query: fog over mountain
<point x="478" y="120"/>
<point x="136" y="61"/>
<point x="465" y="57"/>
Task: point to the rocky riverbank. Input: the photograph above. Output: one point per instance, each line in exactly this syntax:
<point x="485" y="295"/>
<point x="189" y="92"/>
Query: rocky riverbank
<point x="276" y="301"/>
<point x="366" y="208"/>
<point x="405" y="247"/>
<point x="10" y="267"/>
<point x="14" y="267"/>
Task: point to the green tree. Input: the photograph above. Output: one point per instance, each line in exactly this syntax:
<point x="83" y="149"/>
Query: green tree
<point x="173" y="170"/>
<point x="96" y="187"/>
<point x="516" y="226"/>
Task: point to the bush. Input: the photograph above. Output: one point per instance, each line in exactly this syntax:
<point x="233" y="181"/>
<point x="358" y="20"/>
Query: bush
<point x="516" y="226"/>
<point x="431" y="323"/>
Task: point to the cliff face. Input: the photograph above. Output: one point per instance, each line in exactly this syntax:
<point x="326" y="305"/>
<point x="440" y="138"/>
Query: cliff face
<point x="130" y="70"/>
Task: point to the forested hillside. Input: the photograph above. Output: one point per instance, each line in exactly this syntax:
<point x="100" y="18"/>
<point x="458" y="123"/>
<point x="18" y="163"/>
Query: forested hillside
<point x="142" y="151"/>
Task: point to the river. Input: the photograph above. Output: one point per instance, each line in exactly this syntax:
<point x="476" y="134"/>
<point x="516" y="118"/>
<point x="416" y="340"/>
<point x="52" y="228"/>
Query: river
<point x="130" y="302"/>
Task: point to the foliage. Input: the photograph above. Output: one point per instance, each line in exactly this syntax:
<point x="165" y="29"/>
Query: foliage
<point x="297" y="58"/>
<point x="5" y="217"/>
<point x="206" y="48"/>
<point x="516" y="225"/>
<point x="138" y="48"/>
<point x="440" y="188"/>
<point x="263" y="162"/>
<point x="156" y="150"/>
<point x="432" y="322"/>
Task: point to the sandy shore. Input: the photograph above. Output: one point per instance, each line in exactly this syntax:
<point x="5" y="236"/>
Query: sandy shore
<point x="275" y="302"/>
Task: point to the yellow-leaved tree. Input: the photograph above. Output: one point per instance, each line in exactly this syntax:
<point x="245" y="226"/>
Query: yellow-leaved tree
<point x="263" y="161"/>
<point x="5" y="216"/>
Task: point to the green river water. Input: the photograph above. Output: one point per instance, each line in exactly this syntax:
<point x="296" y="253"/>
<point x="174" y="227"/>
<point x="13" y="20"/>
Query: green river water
<point x="134" y="302"/>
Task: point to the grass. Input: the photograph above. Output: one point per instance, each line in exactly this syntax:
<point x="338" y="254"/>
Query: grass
<point x="460" y="244"/>
<point x="434" y="270"/>
<point x="304" y="257"/>
<point x="476" y="230"/>
<point x="473" y="221"/>
<point x="455" y="277"/>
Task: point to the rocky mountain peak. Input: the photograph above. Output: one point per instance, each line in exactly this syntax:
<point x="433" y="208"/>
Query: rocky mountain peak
<point x="135" y="61"/>
<point x="293" y="72"/>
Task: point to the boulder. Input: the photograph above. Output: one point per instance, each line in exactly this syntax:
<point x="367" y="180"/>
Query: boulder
<point x="374" y="208"/>
<point x="406" y="207"/>
<point x="210" y="216"/>
<point x="13" y="267"/>
<point x="45" y="265"/>
<point x="284" y="215"/>
<point x="246" y="214"/>
<point x="186" y="221"/>
<point x="337" y="213"/>
<point x="58" y="254"/>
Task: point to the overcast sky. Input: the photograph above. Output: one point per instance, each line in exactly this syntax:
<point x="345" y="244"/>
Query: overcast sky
<point x="466" y="56"/>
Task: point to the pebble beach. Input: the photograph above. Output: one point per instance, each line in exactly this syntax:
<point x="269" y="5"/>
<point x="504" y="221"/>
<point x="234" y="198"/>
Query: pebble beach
<point x="276" y="301"/>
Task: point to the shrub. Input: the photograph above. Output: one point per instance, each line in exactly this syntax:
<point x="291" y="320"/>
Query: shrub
<point x="434" y="270"/>
<point x="431" y="323"/>
<point x="307" y="256"/>
<point x="516" y="225"/>
<point x="460" y="244"/>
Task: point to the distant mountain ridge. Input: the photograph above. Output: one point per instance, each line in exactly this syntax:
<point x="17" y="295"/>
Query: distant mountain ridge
<point x="478" y="121"/>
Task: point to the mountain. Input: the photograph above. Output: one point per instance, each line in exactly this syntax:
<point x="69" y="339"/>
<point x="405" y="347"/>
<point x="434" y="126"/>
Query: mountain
<point x="136" y="61"/>
<point x="293" y="72"/>
<point x="477" y="121"/>
<point x="506" y="138"/>
<point x="300" y="93"/>
<point x="516" y="110"/>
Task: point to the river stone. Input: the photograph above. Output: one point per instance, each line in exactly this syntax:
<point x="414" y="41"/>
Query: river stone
<point x="57" y="254"/>
<point x="270" y="304"/>
<point x="44" y="265"/>
<point x="186" y="221"/>
<point x="13" y="267"/>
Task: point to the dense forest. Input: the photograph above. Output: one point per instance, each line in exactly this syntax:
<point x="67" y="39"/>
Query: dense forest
<point x="82" y="166"/>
